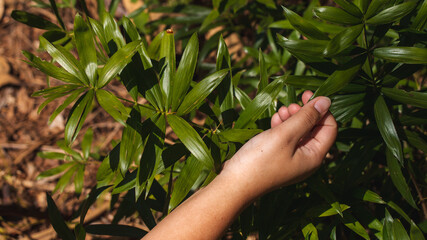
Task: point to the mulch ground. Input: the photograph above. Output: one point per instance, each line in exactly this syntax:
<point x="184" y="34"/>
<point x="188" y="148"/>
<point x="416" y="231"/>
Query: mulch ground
<point x="24" y="133"/>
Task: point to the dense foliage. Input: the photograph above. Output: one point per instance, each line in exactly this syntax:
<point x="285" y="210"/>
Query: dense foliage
<point x="369" y="57"/>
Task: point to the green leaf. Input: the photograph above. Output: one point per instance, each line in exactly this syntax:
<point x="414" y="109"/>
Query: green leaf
<point x="226" y="88"/>
<point x="50" y="69"/>
<point x="303" y="26"/>
<point x="307" y="47"/>
<point x="117" y="62"/>
<point x="80" y="232"/>
<point x="349" y="7"/>
<point x="343" y="40"/>
<point x="399" y="231"/>
<point x="52" y="155"/>
<point x="418" y="99"/>
<point x="398" y="179"/>
<point x="213" y="15"/>
<point x="154" y="47"/>
<point x="387" y="129"/>
<point x="33" y="20"/>
<point x="368" y="196"/>
<point x="167" y="51"/>
<point x="55" y="10"/>
<point x="416" y="141"/>
<point x="345" y="107"/>
<point x="57" y="221"/>
<point x="336" y="15"/>
<point x="242" y="97"/>
<point x="79" y="178"/>
<point x="93" y="195"/>
<point x="375" y="6"/>
<point x="188" y="176"/>
<point x="331" y="211"/>
<point x="55" y="170"/>
<point x="339" y="79"/>
<point x="201" y="91"/>
<point x="260" y="103"/>
<point x="415" y="232"/>
<point x="352" y="223"/>
<point x="115" y="230"/>
<point x="66" y="178"/>
<point x="86" y="143"/>
<point x="238" y="135"/>
<point x="73" y="96"/>
<point x="185" y="72"/>
<point x="77" y="116"/>
<point x="99" y="32"/>
<point x="112" y="105"/>
<point x="111" y="30"/>
<point x="410" y="55"/>
<point x="392" y="14"/>
<point x="388" y="226"/>
<point x="191" y="139"/>
<point x="420" y="20"/>
<point x="310" y="232"/>
<point x="84" y="40"/>
<point x="65" y="59"/>
<point x="134" y="36"/>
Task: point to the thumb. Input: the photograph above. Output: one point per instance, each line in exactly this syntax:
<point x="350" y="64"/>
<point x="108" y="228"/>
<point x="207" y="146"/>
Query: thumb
<point x="302" y="122"/>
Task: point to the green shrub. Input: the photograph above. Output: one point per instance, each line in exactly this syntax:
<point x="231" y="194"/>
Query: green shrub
<point x="368" y="56"/>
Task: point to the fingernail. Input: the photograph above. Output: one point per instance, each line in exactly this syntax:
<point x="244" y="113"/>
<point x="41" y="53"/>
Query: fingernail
<point x="322" y="105"/>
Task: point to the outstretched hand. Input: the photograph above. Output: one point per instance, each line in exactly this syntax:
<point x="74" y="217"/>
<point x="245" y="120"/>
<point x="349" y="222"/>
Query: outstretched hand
<point x="290" y="151"/>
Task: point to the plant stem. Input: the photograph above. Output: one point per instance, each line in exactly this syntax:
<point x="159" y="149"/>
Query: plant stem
<point x="420" y="195"/>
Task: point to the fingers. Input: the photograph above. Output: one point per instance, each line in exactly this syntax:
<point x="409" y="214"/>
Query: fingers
<point x="321" y="139"/>
<point x="303" y="119"/>
<point x="279" y="117"/>
<point x="306" y="96"/>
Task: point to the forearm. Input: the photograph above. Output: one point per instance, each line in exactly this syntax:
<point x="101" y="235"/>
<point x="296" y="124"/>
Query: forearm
<point x="206" y="214"/>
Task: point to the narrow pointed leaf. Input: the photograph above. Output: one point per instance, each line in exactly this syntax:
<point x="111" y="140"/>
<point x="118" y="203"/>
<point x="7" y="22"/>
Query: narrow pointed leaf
<point x="185" y="72"/>
<point x="375" y="6"/>
<point x="51" y="70"/>
<point x="134" y="36"/>
<point x="57" y="220"/>
<point x="387" y="129"/>
<point x="392" y="14"/>
<point x="418" y="99"/>
<point x="260" y="103"/>
<point x="112" y="105"/>
<point x="65" y="179"/>
<point x="65" y="59"/>
<point x="410" y="55"/>
<point x="398" y="179"/>
<point x="111" y="30"/>
<point x="306" y="47"/>
<point x="336" y="15"/>
<point x="99" y="32"/>
<point x="55" y="10"/>
<point x="420" y="20"/>
<point x="303" y="26"/>
<point x="56" y="170"/>
<point x="87" y="143"/>
<point x="349" y="7"/>
<point x="343" y="40"/>
<point x="79" y="178"/>
<point x="85" y="47"/>
<point x="33" y="20"/>
<point x="154" y="47"/>
<point x="77" y="116"/>
<point x="191" y="139"/>
<point x="201" y="91"/>
<point x="167" y="51"/>
<point x="338" y="80"/>
<point x="73" y="96"/>
<point x="352" y="223"/>
<point x="93" y="195"/>
<point x="188" y="176"/>
<point x="399" y="231"/>
<point x="117" y="62"/>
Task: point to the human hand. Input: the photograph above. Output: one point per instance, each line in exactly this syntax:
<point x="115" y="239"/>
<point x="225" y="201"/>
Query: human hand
<point x="287" y="153"/>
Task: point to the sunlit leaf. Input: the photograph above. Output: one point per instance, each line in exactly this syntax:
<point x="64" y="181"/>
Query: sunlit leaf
<point x="303" y="26"/>
<point x="392" y="14"/>
<point x="191" y="139"/>
<point x="409" y="55"/>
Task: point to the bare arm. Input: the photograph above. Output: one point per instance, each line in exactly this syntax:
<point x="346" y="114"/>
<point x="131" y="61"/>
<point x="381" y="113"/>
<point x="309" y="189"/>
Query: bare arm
<point x="287" y="153"/>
